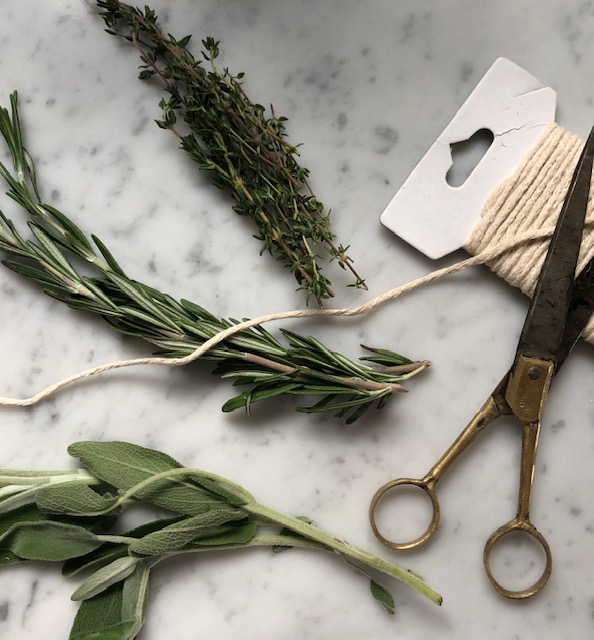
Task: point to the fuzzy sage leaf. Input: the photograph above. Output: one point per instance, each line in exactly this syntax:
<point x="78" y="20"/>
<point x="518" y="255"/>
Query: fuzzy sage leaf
<point x="27" y="513"/>
<point x="47" y="540"/>
<point x="101" y="618"/>
<point x="110" y="551"/>
<point x="115" y="595"/>
<point x="127" y="466"/>
<point x="230" y="535"/>
<point x="382" y="595"/>
<point x="73" y="498"/>
<point x="103" y="578"/>
<point x="179" y="534"/>
<point x="135" y="596"/>
<point x="116" y="613"/>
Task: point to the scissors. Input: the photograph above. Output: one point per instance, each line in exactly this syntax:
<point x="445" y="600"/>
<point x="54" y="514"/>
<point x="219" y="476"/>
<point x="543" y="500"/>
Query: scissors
<point x="559" y="310"/>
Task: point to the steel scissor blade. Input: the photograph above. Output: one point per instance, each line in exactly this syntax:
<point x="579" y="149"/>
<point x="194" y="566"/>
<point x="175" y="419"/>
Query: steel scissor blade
<point x="544" y="328"/>
<point x="580" y="311"/>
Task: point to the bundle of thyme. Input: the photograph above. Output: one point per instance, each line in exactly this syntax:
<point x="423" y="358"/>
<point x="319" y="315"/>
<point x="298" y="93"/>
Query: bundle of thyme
<point x="253" y="357"/>
<point x="70" y="514"/>
<point x="244" y="150"/>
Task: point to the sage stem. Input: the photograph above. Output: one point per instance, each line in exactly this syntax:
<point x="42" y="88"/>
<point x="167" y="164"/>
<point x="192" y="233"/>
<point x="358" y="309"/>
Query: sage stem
<point x="344" y="548"/>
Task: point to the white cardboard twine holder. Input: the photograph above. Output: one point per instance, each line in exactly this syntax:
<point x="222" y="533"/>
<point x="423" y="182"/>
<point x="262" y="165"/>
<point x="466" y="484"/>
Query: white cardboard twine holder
<point x="437" y="218"/>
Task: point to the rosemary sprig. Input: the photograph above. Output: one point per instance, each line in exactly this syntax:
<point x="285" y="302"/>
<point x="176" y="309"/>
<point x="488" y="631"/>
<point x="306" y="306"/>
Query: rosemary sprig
<point x="254" y="357"/>
<point x="72" y="513"/>
<point x="244" y="149"/>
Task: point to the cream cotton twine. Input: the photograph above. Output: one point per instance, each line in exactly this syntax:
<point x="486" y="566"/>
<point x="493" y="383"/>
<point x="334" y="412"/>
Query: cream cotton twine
<point x="511" y="238"/>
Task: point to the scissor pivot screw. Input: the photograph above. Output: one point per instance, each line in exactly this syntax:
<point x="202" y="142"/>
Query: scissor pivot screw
<point x="534" y="373"/>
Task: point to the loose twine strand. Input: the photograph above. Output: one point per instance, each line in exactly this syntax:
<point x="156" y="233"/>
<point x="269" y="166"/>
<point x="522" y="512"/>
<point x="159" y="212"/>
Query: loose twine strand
<point x="511" y="237"/>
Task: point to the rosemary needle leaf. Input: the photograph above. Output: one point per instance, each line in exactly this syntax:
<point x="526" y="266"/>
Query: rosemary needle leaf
<point x="32" y="273"/>
<point x="106" y="253"/>
<point x="385" y="357"/>
<point x="247" y="398"/>
<point x="253" y="357"/>
<point x="72" y="232"/>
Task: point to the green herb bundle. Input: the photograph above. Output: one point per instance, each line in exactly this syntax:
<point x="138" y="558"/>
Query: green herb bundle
<point x="254" y="358"/>
<point x="244" y="150"/>
<point x="69" y="514"/>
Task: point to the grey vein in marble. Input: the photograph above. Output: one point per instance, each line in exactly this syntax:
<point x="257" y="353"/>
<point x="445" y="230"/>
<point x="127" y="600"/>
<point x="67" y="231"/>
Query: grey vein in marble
<point x="367" y="87"/>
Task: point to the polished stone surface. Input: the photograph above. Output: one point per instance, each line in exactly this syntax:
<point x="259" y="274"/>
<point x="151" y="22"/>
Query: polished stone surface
<point x="367" y="88"/>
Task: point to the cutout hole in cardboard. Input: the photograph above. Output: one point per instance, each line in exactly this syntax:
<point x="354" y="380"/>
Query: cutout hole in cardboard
<point x="466" y="156"/>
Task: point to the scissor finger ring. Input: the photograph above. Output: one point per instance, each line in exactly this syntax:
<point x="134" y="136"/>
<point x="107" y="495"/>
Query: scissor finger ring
<point x="518" y="525"/>
<point x="428" y="487"/>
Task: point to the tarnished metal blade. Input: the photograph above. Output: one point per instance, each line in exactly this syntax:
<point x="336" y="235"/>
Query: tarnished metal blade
<point x="542" y="335"/>
<point x="580" y="311"/>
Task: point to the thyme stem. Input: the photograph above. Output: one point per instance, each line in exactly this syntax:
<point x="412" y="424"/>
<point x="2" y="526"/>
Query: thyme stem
<point x="245" y="151"/>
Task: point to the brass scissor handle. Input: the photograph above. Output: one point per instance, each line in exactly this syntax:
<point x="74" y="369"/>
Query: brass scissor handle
<point x="492" y="409"/>
<point x="521" y="393"/>
<point x="427" y="484"/>
<point x="518" y="525"/>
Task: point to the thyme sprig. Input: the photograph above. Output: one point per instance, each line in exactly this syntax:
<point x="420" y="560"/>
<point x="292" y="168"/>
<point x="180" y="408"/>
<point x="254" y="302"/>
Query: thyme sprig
<point x="244" y="149"/>
<point x="69" y="516"/>
<point x="253" y="357"/>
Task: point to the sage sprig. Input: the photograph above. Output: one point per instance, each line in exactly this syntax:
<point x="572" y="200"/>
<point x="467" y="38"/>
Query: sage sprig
<point x="254" y="358"/>
<point x="69" y="521"/>
<point x="243" y="149"/>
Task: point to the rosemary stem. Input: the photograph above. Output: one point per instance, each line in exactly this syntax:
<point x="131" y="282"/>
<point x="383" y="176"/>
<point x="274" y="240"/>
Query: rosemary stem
<point x="411" y="367"/>
<point x="179" y="327"/>
<point x="355" y="383"/>
<point x="268" y="363"/>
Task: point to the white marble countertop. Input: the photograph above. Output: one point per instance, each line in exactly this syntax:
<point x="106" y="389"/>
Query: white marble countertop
<point x="367" y="87"/>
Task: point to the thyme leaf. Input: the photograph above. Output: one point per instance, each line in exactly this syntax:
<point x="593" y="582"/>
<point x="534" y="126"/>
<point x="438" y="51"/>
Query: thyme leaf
<point x="243" y="148"/>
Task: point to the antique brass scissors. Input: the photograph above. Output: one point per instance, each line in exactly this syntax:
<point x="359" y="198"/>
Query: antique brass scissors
<point x="559" y="311"/>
